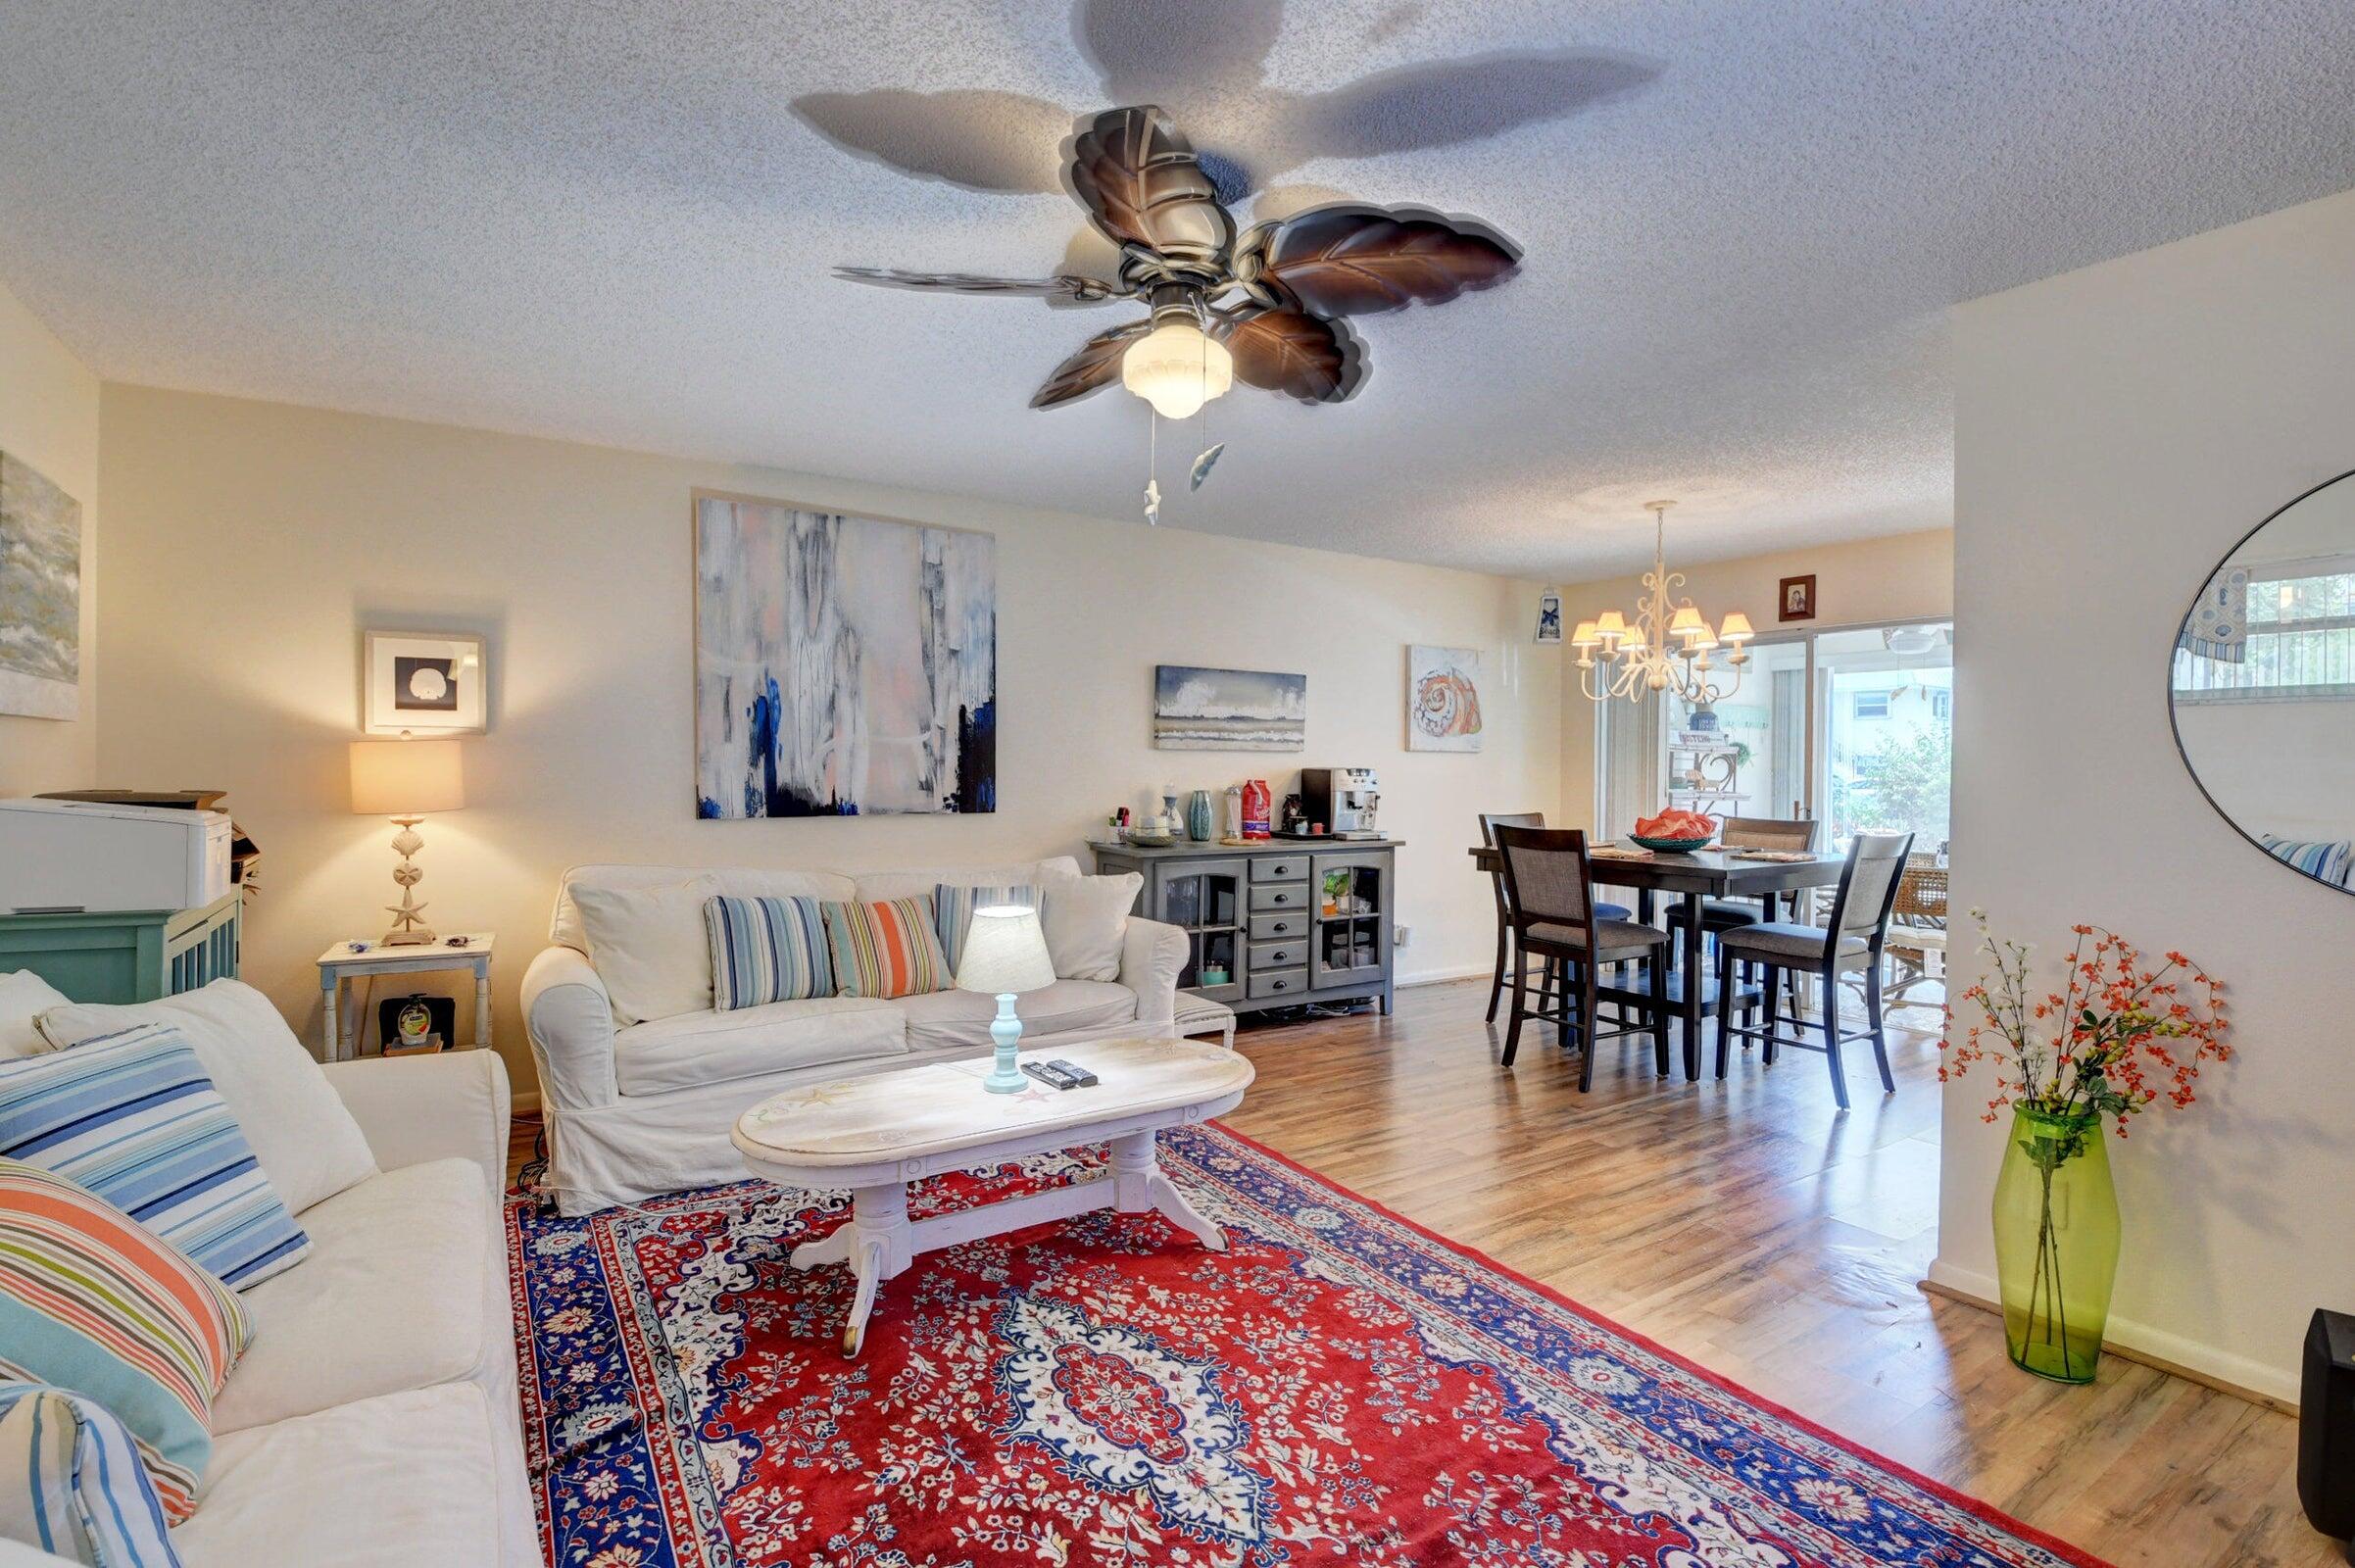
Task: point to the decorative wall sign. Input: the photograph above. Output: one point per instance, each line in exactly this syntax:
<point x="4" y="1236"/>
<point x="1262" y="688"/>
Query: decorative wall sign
<point x="843" y="665"/>
<point x="1198" y="709"/>
<point x="1795" y="599"/>
<point x="423" y="683"/>
<point x="40" y="595"/>
<point x="1549" y="617"/>
<point x="1443" y="698"/>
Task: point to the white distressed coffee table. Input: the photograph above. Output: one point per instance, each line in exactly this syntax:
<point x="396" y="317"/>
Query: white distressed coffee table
<point x="876" y="1135"/>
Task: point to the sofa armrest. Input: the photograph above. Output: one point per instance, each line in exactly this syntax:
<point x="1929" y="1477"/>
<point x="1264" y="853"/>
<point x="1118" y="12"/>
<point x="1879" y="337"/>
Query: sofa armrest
<point x="412" y="1110"/>
<point x="569" y="1016"/>
<point x="1151" y="954"/>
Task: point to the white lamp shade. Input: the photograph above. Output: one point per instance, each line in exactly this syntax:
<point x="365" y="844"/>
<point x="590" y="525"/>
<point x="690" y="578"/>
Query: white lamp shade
<point x="1006" y="950"/>
<point x="406" y="778"/>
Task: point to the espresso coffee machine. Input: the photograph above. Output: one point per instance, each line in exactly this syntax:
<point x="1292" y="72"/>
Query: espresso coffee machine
<point x="1343" y="798"/>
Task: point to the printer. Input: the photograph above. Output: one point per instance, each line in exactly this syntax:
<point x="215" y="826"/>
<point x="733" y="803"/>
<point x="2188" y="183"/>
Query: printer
<point x="90" y="855"/>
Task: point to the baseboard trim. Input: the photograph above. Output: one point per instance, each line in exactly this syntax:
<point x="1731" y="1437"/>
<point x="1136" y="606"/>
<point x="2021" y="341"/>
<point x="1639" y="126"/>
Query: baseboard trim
<point x="1438" y="977"/>
<point x="2142" y="1345"/>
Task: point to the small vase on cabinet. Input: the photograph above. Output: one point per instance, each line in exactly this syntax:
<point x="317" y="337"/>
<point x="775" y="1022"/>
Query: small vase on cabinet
<point x="2056" y="1243"/>
<point x="1199" y="822"/>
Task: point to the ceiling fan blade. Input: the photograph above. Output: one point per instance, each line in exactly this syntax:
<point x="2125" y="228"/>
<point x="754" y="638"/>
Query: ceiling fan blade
<point x="1097" y="364"/>
<point x="1295" y="353"/>
<point x="1360" y="261"/>
<point x="1062" y="286"/>
<point x="1139" y="181"/>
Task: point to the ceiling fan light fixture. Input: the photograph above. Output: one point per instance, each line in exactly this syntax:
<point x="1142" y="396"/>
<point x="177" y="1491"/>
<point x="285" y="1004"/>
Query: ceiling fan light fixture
<point x="1177" y="367"/>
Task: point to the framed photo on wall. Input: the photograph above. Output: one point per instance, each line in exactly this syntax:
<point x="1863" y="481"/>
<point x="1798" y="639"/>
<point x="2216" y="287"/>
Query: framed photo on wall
<point x="422" y="683"/>
<point x="1795" y="599"/>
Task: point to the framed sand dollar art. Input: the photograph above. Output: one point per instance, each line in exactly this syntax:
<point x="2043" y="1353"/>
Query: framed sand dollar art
<point x="422" y="683"/>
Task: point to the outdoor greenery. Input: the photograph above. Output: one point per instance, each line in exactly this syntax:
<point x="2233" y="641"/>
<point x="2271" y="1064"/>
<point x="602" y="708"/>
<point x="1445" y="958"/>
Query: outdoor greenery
<point x="1902" y="786"/>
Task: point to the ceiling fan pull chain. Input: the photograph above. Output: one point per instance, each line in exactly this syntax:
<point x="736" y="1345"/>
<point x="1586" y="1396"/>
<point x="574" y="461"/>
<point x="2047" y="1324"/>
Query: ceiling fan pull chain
<point x="1153" y="470"/>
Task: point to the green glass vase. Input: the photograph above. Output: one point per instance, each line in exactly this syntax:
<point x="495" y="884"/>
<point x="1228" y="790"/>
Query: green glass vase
<point x="2056" y="1243"/>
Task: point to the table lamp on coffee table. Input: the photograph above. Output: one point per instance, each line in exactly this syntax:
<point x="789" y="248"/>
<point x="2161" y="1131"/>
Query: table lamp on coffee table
<point x="1005" y="954"/>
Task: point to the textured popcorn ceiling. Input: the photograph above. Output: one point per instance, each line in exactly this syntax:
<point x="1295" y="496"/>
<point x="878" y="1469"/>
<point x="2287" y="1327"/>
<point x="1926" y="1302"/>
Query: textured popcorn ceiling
<point x="614" y="221"/>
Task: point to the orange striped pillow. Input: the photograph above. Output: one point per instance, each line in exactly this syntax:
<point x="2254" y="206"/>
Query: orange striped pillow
<point x="93" y="1302"/>
<point x="885" y="949"/>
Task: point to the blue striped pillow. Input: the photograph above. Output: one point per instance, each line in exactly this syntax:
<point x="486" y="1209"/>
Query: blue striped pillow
<point x="72" y="1481"/>
<point x="767" y="950"/>
<point x="952" y="913"/>
<point x="2327" y="861"/>
<point x="131" y="1118"/>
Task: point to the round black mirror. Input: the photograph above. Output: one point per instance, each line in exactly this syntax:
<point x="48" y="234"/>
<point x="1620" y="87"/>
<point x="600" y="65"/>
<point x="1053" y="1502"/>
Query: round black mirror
<point x="2262" y="687"/>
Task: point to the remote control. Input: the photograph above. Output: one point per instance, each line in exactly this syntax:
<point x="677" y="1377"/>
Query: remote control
<point x="1045" y="1074"/>
<point x="1080" y="1077"/>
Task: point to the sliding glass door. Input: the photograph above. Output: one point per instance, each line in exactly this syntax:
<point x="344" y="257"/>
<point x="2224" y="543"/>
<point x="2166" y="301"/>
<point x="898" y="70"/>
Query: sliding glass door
<point x="1888" y="732"/>
<point x="1853" y="726"/>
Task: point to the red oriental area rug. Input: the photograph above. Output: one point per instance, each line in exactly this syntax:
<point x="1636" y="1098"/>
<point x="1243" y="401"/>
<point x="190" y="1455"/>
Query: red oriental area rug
<point x="1338" y="1387"/>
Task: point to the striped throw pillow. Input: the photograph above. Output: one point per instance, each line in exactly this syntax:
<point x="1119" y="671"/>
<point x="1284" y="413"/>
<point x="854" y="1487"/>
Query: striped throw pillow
<point x="885" y="949"/>
<point x="72" y="1481"/>
<point x="952" y="913"/>
<point x="767" y="950"/>
<point x="132" y="1117"/>
<point x="93" y="1301"/>
<point x="2330" y="861"/>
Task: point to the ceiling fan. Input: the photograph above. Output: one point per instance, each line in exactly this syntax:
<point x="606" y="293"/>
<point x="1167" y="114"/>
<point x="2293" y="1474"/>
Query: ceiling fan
<point x="1265" y="308"/>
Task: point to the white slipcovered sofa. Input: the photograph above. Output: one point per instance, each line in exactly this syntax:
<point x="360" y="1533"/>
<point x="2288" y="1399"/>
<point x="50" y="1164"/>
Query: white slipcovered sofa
<point x="374" y="1421"/>
<point x="635" y="1109"/>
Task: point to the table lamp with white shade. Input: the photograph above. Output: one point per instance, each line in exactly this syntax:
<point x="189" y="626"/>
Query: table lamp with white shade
<point x="404" y="780"/>
<point x="1005" y="954"/>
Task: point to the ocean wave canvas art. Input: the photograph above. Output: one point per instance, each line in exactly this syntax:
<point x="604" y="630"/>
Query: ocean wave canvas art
<point x="843" y="665"/>
<point x="40" y="595"/>
<point x="1197" y="710"/>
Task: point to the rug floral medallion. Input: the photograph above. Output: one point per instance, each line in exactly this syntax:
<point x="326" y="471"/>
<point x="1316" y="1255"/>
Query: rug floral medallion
<point x="1338" y="1387"/>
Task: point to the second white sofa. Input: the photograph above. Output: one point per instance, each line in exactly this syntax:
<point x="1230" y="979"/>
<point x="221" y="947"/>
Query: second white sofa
<point x="637" y="1109"/>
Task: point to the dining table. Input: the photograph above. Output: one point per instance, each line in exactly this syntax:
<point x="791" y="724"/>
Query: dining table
<point x="1689" y="877"/>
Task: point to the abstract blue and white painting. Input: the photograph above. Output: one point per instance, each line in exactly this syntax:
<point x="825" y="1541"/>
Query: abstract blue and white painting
<point x="40" y="595"/>
<point x="1198" y="709"/>
<point x="843" y="665"/>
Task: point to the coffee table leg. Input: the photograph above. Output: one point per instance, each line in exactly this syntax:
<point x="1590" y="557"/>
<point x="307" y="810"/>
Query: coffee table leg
<point x="1139" y="1186"/>
<point x="867" y="1259"/>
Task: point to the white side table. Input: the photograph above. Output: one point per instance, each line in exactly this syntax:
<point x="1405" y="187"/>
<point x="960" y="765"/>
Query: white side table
<point x="348" y="960"/>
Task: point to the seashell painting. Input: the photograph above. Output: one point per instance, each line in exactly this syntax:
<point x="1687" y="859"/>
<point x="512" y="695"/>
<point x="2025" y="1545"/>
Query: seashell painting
<point x="1443" y="698"/>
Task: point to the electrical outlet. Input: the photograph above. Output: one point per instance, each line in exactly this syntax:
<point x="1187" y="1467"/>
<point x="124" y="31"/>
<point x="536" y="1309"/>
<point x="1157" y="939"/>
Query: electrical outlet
<point x="1397" y="937"/>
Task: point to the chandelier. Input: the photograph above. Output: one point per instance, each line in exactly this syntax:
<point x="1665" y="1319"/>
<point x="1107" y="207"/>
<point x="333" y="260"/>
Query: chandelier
<point x="1668" y="648"/>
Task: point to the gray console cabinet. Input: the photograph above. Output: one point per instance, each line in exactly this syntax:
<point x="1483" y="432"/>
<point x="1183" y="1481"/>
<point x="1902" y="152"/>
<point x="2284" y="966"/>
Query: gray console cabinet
<point x="1287" y="921"/>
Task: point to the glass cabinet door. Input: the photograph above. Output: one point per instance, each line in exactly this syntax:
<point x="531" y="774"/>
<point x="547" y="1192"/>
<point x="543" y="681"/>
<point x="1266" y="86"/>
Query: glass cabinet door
<point x="1351" y="941"/>
<point x="1204" y="899"/>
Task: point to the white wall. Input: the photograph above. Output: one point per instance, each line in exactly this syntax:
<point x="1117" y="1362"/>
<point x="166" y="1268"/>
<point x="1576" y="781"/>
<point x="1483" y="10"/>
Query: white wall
<point x="1869" y="582"/>
<point x="249" y="542"/>
<point x="49" y="418"/>
<point x="2117" y="430"/>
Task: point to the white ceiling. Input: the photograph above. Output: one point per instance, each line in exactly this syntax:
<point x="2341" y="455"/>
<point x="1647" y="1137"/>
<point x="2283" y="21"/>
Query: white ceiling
<point x="614" y="221"/>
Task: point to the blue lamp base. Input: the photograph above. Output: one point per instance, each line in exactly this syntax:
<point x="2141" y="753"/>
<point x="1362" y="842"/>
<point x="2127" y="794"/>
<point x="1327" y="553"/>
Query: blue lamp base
<point x="1006" y="1078"/>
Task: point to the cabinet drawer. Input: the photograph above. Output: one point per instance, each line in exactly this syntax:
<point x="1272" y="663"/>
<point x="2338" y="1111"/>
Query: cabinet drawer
<point x="1278" y="983"/>
<point x="1267" y="927"/>
<point x="1279" y="868"/>
<point x="1278" y="955"/>
<point x="1279" y="896"/>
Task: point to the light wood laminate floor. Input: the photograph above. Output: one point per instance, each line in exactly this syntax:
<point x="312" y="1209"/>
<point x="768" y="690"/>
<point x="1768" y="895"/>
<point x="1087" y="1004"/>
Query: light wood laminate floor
<point x="1750" y="1227"/>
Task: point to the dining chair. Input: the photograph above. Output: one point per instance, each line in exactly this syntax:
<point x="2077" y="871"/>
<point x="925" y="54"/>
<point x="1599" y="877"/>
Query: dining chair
<point x="1720" y="915"/>
<point x="1549" y="903"/>
<point x="1852" y="942"/>
<point x="1489" y="821"/>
